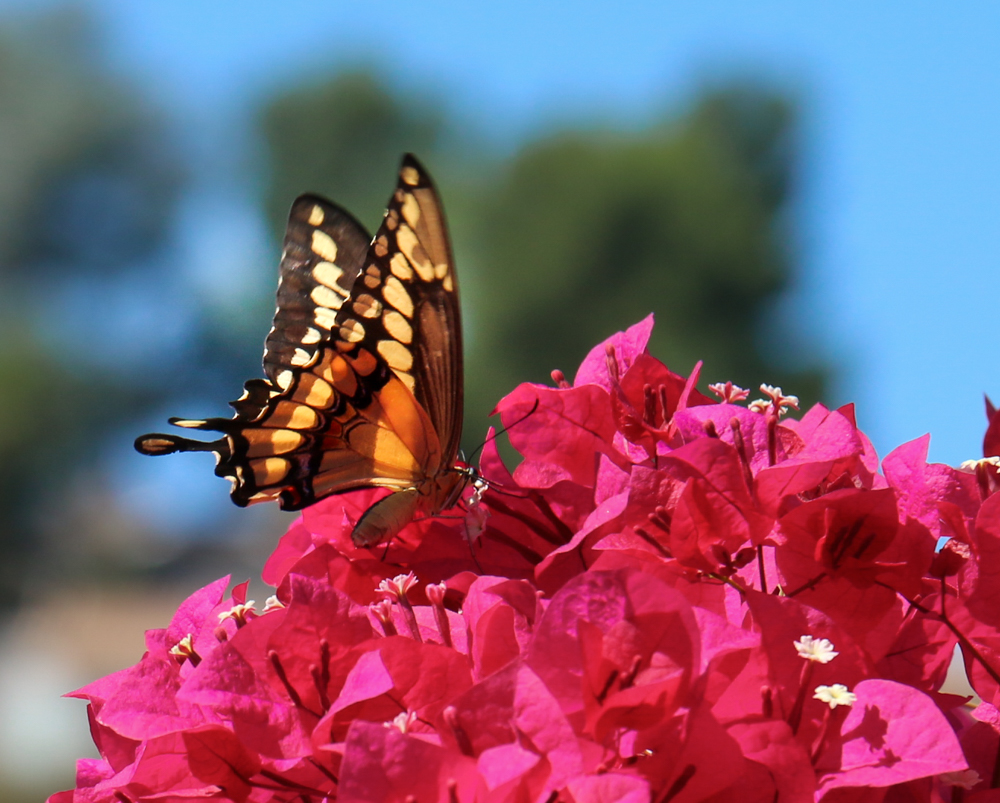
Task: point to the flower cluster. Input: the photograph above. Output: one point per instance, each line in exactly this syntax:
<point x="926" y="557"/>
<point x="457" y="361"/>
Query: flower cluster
<point x="671" y="598"/>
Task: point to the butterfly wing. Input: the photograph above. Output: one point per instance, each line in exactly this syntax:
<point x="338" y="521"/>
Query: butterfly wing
<point x="323" y="251"/>
<point x="417" y="329"/>
<point x="378" y="402"/>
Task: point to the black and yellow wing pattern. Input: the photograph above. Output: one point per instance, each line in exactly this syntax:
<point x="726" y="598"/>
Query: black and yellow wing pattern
<point x="364" y="367"/>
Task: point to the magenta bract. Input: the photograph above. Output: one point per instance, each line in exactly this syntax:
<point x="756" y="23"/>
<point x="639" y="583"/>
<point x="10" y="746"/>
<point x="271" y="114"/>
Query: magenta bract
<point x="671" y="598"/>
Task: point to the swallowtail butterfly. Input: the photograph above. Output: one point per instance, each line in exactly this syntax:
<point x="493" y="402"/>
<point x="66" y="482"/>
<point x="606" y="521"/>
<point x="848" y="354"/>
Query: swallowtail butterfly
<point x="363" y="365"/>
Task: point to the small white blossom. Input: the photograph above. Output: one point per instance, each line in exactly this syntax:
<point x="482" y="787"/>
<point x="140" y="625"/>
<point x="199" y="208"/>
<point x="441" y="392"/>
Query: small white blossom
<point x="728" y="392"/>
<point x="398" y="586"/>
<point x="815" y="649"/>
<point x="779" y="401"/>
<point x="272" y="603"/>
<point x="778" y="396"/>
<point x="239" y="613"/>
<point x="971" y="465"/>
<point x="402" y="722"/>
<point x="835" y="695"/>
<point x="183" y="648"/>
<point x="963" y="778"/>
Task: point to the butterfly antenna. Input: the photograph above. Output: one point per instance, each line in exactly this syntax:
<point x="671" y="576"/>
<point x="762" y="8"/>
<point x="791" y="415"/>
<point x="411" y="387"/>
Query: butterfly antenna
<point x="502" y="430"/>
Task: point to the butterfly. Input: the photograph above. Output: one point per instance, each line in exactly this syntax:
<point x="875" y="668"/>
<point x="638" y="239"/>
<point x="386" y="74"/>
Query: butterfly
<point x="364" y="369"/>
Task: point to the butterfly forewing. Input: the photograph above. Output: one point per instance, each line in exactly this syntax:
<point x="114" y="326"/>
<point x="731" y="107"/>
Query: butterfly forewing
<point x="400" y="332"/>
<point x="406" y="302"/>
<point x="323" y="252"/>
<point x="364" y="360"/>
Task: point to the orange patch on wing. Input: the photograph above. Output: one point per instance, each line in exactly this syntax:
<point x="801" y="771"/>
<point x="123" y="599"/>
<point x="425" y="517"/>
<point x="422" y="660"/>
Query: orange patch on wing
<point x="400" y="267"/>
<point x="407" y="419"/>
<point x="340" y="374"/>
<point x="315" y="392"/>
<point x="292" y="416"/>
<point x="269" y="470"/>
<point x="266" y="442"/>
<point x="387" y="450"/>
<point x="363" y="362"/>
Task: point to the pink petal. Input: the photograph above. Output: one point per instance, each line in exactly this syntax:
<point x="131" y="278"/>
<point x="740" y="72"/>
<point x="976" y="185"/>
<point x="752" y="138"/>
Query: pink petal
<point x="505" y="763"/>
<point x="382" y="764"/>
<point x="627" y="345"/>
<point x="567" y="429"/>
<point x="892" y="734"/>
<point x="609" y="788"/>
<point x="772" y="744"/>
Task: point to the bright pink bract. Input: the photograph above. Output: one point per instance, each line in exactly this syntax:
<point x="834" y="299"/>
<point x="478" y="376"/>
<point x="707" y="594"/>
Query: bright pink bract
<point x="672" y="598"/>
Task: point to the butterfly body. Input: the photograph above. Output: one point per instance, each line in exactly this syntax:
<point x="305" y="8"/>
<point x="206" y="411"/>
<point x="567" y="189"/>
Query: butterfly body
<point x="364" y="366"/>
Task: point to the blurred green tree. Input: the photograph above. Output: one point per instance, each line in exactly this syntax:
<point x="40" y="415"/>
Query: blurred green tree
<point x="587" y="233"/>
<point x="580" y="233"/>
<point x="87" y="185"/>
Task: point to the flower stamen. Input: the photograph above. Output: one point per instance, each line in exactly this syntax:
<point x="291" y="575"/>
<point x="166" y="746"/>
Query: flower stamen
<point x="728" y="392"/>
<point x="184" y="650"/>
<point x="240" y="613"/>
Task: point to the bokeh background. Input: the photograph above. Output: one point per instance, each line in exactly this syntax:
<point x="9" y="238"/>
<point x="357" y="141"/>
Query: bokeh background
<point x="806" y="194"/>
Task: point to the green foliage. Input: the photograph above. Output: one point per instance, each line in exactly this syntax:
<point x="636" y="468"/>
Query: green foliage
<point x="580" y="233"/>
<point x="589" y="232"/>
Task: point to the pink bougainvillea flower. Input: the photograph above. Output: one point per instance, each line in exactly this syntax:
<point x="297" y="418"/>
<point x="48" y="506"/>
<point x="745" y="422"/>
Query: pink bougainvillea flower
<point x="991" y="440"/>
<point x="559" y="440"/>
<point x="891" y="734"/>
<point x="671" y="598"/>
<point x="625" y="348"/>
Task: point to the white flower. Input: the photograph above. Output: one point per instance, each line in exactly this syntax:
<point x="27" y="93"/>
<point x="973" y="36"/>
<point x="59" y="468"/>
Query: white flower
<point x="238" y="612"/>
<point x="813" y="649"/>
<point x="835" y="695"/>
<point x="273" y="604"/>
<point x="964" y="778"/>
<point x="183" y="648"/>
<point x="971" y="465"/>
<point x="398" y="586"/>
<point x="402" y="722"/>
<point x="728" y="392"/>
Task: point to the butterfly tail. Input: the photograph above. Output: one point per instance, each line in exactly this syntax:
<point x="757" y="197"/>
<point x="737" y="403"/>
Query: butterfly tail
<point x="157" y="443"/>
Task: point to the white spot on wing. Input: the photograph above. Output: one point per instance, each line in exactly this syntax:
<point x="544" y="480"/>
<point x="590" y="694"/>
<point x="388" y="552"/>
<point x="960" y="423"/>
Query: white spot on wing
<point x="325" y="297"/>
<point x="324" y="246"/>
<point x="327" y="273"/>
<point x="301" y="357"/>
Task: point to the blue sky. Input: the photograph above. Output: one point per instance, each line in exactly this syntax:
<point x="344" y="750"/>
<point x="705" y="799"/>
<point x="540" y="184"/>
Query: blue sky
<point x="900" y="203"/>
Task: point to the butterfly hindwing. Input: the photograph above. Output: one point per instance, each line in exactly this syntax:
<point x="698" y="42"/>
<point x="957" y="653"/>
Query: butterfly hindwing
<point x="365" y="366"/>
<point x="323" y="251"/>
